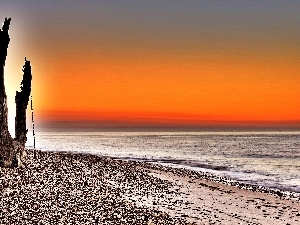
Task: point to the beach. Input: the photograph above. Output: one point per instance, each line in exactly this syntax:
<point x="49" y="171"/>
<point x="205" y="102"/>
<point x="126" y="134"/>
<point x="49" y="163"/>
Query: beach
<point x="66" y="188"/>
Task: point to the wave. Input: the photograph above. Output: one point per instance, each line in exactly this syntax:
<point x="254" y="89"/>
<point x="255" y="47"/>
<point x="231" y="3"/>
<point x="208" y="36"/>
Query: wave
<point x="248" y="177"/>
<point x="190" y="163"/>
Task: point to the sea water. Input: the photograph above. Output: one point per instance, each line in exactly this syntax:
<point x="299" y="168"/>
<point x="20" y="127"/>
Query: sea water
<point x="267" y="159"/>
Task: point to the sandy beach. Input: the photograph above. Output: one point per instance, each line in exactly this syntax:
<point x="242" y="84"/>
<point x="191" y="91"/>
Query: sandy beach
<point x="64" y="188"/>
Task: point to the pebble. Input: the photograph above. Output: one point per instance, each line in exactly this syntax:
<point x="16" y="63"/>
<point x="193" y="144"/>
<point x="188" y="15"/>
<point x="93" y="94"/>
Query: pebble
<point x="64" y="188"/>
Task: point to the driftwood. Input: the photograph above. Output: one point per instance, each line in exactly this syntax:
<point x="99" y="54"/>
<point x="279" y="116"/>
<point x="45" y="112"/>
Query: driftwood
<point x="11" y="149"/>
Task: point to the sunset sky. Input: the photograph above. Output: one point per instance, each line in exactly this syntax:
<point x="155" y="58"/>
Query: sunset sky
<point x="158" y="63"/>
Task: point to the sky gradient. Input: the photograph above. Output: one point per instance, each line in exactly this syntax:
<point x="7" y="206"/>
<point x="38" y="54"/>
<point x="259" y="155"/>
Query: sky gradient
<point x="161" y="63"/>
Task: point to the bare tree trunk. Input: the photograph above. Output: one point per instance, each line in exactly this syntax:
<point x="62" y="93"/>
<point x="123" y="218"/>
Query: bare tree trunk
<point x="11" y="149"/>
<point x="22" y="99"/>
<point x="4" y="41"/>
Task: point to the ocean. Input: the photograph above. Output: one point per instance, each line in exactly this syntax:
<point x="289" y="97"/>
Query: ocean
<point x="267" y="159"/>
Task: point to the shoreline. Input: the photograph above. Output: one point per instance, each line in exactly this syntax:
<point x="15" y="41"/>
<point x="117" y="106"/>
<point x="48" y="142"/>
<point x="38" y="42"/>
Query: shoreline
<point x="200" y="172"/>
<point x="286" y="194"/>
<point x="92" y="189"/>
<point x="206" y="171"/>
<point x="209" y="174"/>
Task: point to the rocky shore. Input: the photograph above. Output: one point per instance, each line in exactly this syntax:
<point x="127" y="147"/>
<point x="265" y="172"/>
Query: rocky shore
<point x="64" y="188"/>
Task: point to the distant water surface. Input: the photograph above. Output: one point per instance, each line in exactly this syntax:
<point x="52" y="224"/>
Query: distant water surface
<point x="267" y="159"/>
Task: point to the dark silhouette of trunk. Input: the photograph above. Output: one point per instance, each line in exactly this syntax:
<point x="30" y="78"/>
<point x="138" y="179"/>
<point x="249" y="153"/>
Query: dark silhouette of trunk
<point x="4" y="41"/>
<point x="22" y="99"/>
<point x="11" y="149"/>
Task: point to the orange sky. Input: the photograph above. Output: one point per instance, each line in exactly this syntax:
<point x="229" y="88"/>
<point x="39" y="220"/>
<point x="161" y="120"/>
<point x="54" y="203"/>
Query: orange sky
<point x="180" y="67"/>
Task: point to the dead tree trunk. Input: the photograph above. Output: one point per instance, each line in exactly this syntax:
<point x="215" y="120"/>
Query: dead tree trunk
<point x="4" y="41"/>
<point x="11" y="149"/>
<point x="22" y="99"/>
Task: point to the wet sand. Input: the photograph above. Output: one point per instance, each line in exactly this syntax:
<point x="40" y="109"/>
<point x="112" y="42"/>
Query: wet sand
<point x="63" y="188"/>
<point x="208" y="202"/>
